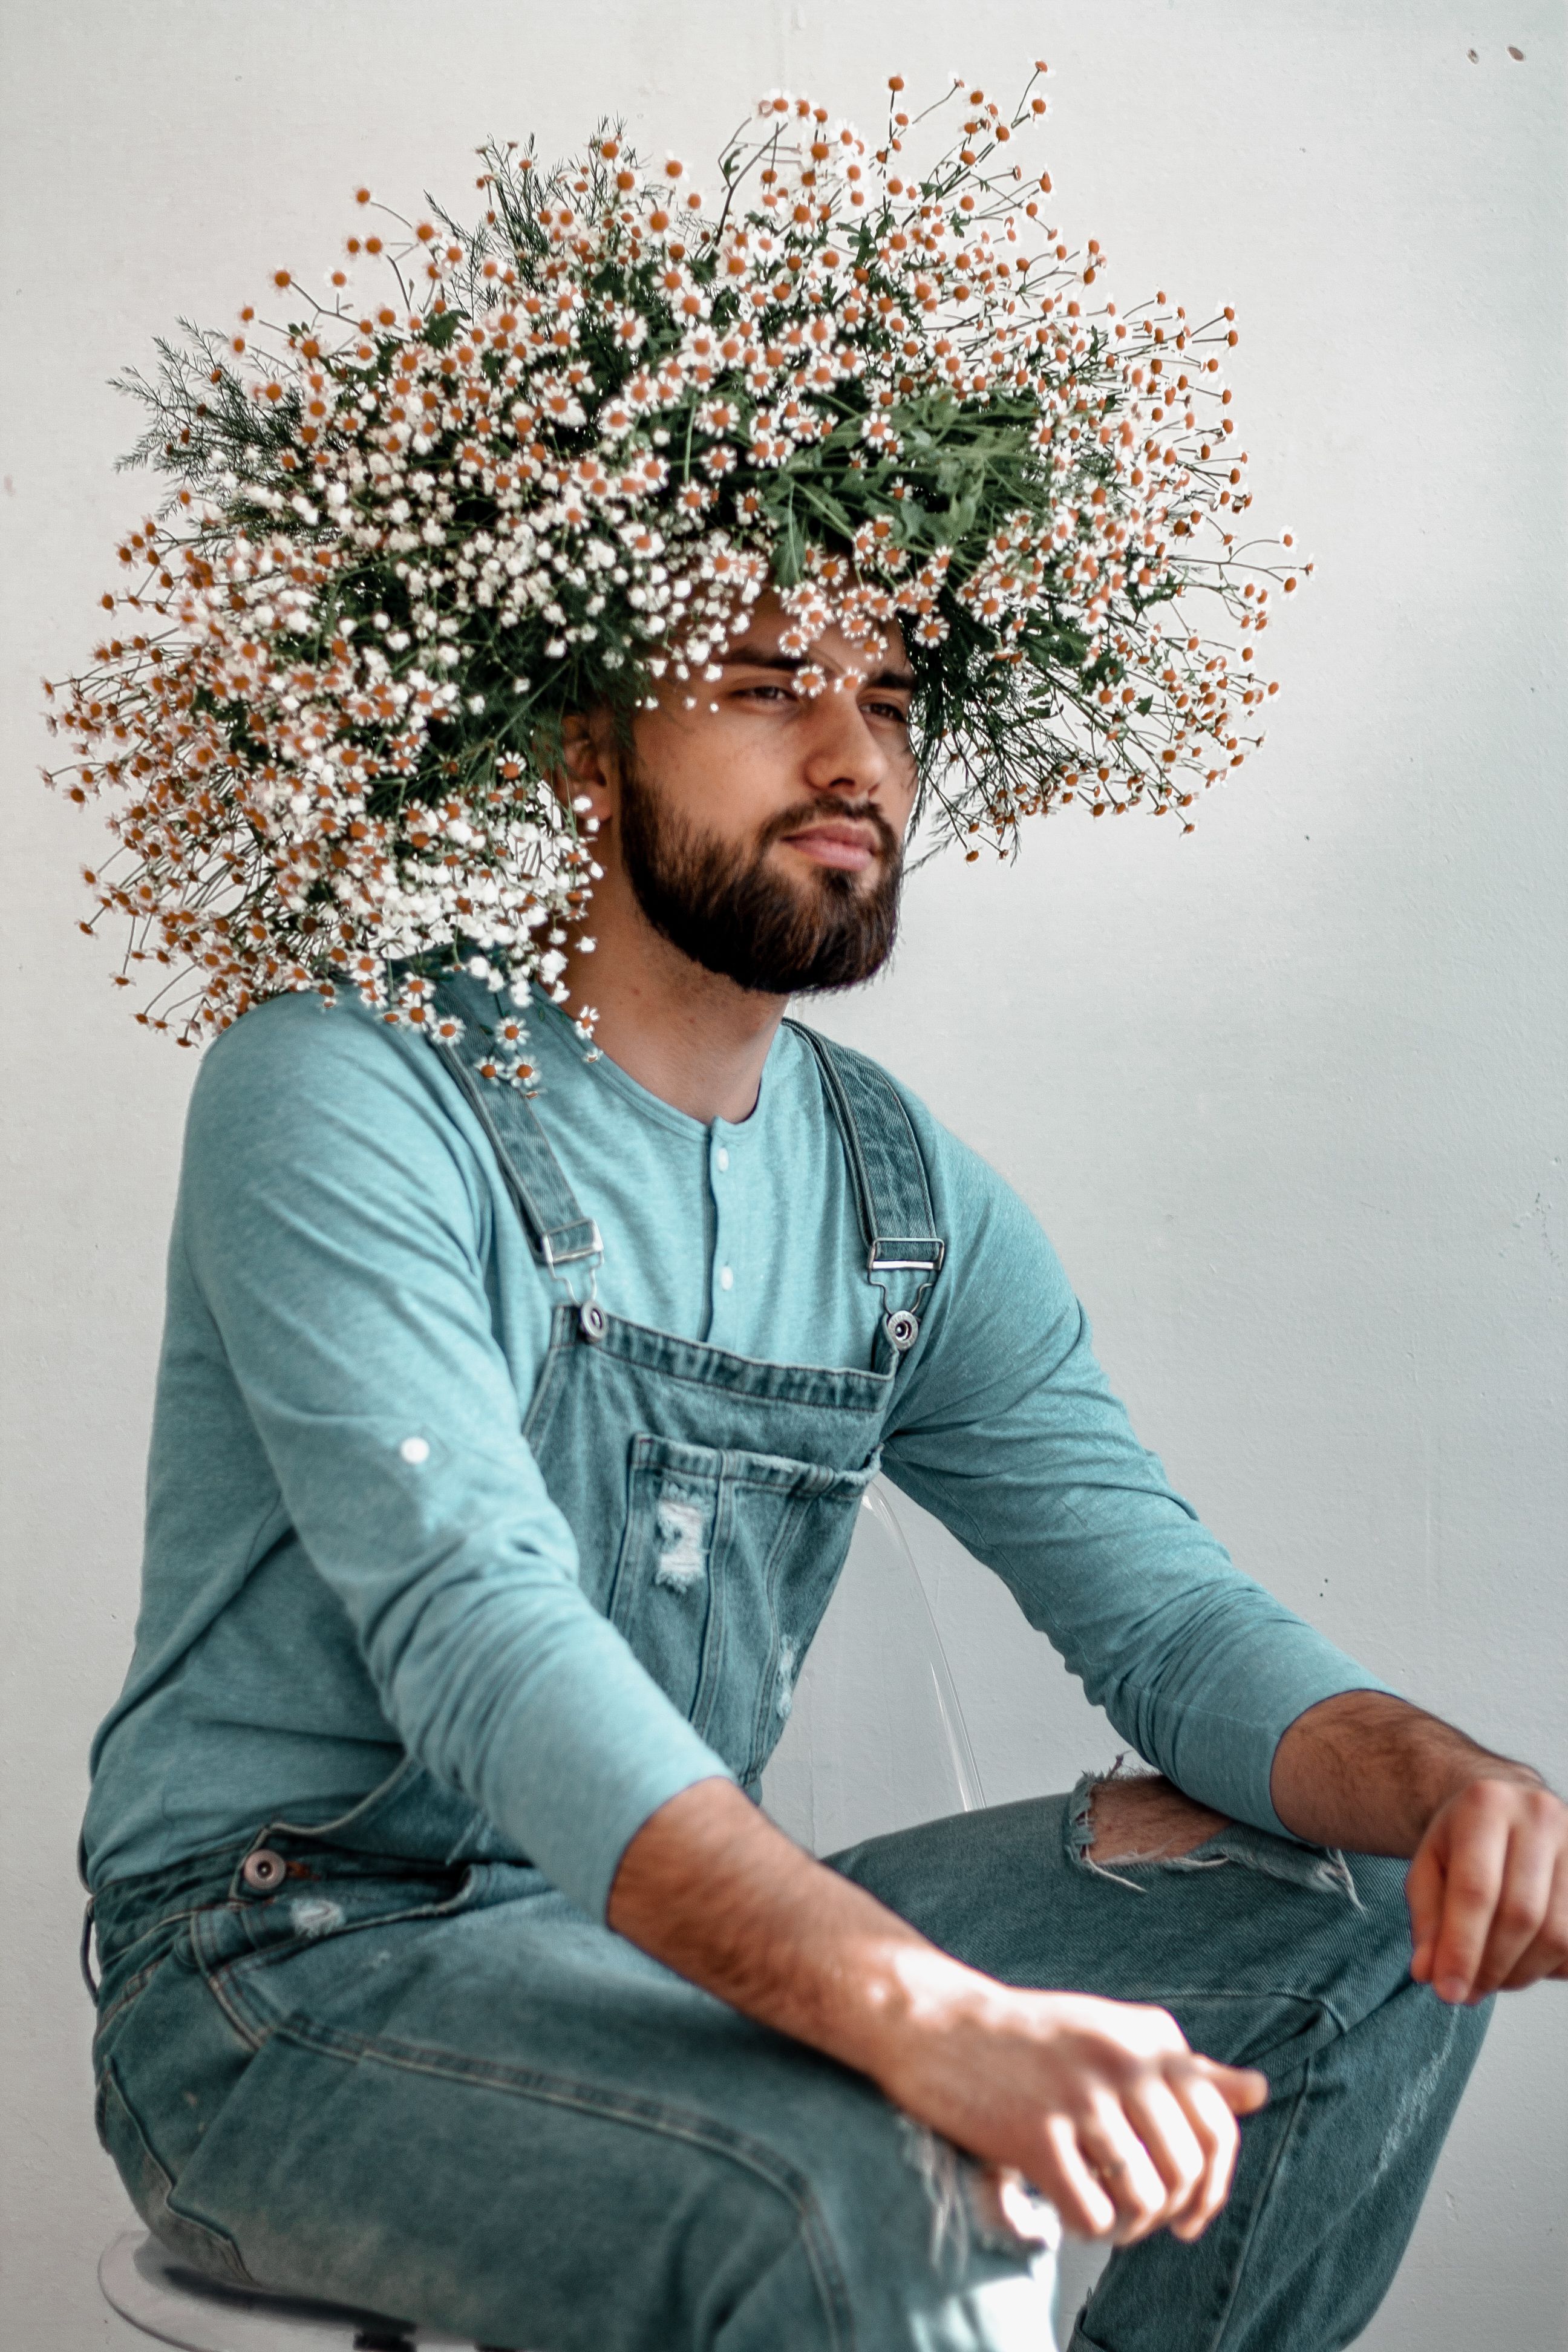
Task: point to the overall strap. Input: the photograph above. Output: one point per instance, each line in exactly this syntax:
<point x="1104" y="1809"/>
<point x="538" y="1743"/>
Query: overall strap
<point x="903" y="1251"/>
<point x="564" y="1239"/>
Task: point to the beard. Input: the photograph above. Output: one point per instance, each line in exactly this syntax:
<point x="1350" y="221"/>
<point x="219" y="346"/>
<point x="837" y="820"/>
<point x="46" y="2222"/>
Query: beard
<point x="725" y="908"/>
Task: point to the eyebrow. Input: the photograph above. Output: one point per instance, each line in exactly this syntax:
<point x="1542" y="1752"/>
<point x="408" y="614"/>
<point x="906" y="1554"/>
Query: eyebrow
<point x="901" y="678"/>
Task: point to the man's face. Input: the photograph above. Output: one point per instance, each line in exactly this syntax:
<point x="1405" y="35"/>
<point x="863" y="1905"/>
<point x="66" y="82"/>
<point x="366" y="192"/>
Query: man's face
<point x="762" y="832"/>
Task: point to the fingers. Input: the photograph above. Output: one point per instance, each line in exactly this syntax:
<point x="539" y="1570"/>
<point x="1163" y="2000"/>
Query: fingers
<point x="1075" y="2191"/>
<point x="1214" y="2121"/>
<point x="1145" y="2173"/>
<point x="1163" y="2151"/>
<point x="1243" y="2088"/>
<point x="1472" y="1882"/>
<point x="1424" y="1885"/>
<point x="1133" y="2131"/>
<point x="1546" y="1954"/>
<point x="1501" y="1854"/>
<point x="1182" y="2149"/>
<point x="1524" y="1902"/>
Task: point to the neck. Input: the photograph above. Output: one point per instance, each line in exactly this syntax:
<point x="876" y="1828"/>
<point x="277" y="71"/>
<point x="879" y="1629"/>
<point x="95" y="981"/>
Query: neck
<point x="690" y="1036"/>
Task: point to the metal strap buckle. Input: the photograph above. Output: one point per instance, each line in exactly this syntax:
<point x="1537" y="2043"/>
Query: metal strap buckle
<point x="571" y="1245"/>
<point x="907" y="1253"/>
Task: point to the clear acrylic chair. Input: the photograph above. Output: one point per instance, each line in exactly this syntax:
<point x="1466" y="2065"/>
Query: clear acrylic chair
<point x="876" y="1741"/>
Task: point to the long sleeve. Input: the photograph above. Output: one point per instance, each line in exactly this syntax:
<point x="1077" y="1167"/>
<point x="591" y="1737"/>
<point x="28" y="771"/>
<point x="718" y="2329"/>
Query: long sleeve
<point x="333" y="1220"/>
<point x="1011" y="1435"/>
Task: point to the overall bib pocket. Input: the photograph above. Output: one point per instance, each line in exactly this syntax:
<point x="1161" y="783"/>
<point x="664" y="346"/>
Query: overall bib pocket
<point x="727" y="1562"/>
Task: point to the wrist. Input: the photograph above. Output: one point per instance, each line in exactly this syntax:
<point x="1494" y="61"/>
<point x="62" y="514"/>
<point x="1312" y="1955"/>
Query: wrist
<point x="903" y="2003"/>
<point x="1369" y="1772"/>
<point x="1468" y="1772"/>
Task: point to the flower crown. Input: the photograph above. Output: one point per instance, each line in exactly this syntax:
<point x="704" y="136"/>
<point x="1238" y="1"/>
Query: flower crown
<point x="550" y="462"/>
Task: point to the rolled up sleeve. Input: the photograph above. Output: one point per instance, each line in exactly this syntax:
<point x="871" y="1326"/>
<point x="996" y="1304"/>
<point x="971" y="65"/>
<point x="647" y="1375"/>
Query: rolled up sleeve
<point x="1011" y="1436"/>
<point x="334" y="1219"/>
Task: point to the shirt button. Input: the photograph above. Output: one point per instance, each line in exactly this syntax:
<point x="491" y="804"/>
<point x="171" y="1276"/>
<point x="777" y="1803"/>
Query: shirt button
<point x="414" y="1450"/>
<point x="721" y="1159"/>
<point x="726" y="1278"/>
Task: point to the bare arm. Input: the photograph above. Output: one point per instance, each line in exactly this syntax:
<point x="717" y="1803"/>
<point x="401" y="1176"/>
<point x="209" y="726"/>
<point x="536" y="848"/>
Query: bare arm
<point x="1101" y="2104"/>
<point x="1487" y="1886"/>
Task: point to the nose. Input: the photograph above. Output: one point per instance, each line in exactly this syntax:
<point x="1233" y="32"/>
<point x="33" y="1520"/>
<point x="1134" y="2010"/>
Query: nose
<point x="844" y="754"/>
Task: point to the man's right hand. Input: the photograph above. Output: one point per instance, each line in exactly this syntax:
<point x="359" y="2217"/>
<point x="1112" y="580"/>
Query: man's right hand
<point x="1100" y="2105"/>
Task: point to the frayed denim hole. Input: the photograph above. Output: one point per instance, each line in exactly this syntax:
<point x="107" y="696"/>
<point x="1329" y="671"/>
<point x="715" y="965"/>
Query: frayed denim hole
<point x="1080" y="1828"/>
<point x="784" y="1680"/>
<point x="935" y="2163"/>
<point x="314" y="1915"/>
<point x="970" y="2204"/>
<point x="1323" y="1870"/>
<point x="682" y="1528"/>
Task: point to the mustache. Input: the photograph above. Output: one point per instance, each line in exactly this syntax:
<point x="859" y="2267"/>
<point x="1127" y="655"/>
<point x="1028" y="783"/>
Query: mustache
<point x="811" y="812"/>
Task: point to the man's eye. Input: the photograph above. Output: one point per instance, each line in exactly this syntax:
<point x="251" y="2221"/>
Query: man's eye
<point x="891" y="711"/>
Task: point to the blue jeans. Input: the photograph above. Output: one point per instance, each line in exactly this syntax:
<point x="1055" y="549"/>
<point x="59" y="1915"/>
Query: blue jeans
<point x="442" y="2093"/>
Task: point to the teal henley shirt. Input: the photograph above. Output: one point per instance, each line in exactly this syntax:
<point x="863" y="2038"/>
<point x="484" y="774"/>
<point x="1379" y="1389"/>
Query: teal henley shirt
<point x="350" y="1549"/>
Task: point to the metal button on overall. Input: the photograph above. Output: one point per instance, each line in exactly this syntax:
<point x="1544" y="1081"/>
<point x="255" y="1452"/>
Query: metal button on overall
<point x="712" y="1496"/>
<point x="264" y="1870"/>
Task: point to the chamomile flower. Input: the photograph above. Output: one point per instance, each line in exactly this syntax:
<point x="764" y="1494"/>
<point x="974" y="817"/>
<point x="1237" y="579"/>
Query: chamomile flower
<point x="493" y="474"/>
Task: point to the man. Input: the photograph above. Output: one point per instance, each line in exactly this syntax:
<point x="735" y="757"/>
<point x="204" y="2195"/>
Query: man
<point x="450" y="1967"/>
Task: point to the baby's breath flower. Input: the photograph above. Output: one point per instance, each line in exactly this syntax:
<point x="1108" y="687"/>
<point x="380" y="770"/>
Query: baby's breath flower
<point x="405" y="543"/>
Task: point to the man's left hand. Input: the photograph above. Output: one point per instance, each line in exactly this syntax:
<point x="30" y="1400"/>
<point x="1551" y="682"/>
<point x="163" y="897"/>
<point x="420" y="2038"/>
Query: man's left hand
<point x="1487" y="1890"/>
<point x="1488" y="1884"/>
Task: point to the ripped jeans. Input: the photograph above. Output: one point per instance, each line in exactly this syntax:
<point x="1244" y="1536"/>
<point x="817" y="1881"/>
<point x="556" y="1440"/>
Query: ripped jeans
<point x="447" y="2096"/>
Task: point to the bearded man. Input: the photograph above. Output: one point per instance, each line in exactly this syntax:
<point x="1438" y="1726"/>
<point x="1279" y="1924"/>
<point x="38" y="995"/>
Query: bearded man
<point x="507" y="1452"/>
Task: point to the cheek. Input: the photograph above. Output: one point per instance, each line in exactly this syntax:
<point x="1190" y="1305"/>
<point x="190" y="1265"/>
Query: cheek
<point x="901" y="796"/>
<point x="714" y="771"/>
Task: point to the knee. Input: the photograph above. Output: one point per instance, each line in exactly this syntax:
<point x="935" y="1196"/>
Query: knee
<point x="1143" y="1817"/>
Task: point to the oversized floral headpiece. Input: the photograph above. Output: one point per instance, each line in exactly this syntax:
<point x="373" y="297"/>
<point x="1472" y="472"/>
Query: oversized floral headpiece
<point x="496" y="474"/>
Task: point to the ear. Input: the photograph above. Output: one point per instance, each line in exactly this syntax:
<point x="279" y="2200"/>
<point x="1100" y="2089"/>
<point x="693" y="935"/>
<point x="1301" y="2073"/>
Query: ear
<point x="588" y="762"/>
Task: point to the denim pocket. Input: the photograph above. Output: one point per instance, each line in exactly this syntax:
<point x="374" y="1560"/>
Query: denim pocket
<point x="727" y="1563"/>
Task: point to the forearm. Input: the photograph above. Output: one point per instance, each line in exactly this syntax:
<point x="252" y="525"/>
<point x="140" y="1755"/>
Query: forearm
<point x="1074" y="2093"/>
<point x="1369" y="1772"/>
<point x="711" y="1887"/>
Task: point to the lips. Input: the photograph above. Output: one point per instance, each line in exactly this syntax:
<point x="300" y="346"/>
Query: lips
<point x="847" y="847"/>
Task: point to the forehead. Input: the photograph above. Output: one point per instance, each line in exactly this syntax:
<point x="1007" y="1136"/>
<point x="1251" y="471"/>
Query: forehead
<point x="832" y="651"/>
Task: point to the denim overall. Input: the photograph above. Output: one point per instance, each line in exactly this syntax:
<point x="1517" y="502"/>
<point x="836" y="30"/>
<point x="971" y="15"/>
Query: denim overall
<point x="712" y="1496"/>
<point x="382" y="2061"/>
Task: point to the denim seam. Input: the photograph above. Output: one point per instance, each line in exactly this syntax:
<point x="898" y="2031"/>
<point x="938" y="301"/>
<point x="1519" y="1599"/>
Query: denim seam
<point x="760" y="1393"/>
<point x="549" y="1388"/>
<point x="127" y="1994"/>
<point x="616" y="2107"/>
<point x="767" y="1694"/>
<point x="1082" y="2342"/>
<point x="1266" y="2189"/>
<point x="253" y="2017"/>
<point x="809" y="1481"/>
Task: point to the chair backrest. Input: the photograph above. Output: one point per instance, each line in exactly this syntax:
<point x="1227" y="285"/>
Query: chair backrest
<point x="876" y="1740"/>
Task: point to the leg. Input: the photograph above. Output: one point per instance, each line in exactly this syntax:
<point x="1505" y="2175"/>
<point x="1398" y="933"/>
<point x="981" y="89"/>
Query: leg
<point x="1268" y="1956"/>
<point x="488" y="2116"/>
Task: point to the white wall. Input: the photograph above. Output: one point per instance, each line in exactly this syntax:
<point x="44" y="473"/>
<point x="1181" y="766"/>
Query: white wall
<point x="1288" y="1094"/>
